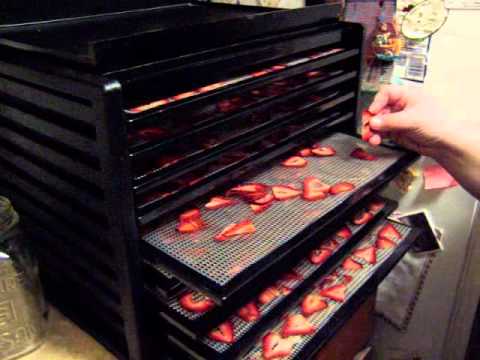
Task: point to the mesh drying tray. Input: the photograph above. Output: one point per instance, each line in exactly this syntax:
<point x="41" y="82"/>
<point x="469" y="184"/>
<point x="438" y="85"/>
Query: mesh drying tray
<point x="219" y="268"/>
<point x="194" y="324"/>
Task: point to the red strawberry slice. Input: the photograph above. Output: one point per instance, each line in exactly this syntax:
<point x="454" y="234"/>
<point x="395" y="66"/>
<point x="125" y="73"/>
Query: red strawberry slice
<point x="190" y="226"/>
<point x="376" y="205"/>
<point x="295" y="162"/>
<point x="314" y="189"/>
<point x="249" y="312"/>
<point x="331" y="245"/>
<point x="255" y="189"/>
<point x="268" y="198"/>
<point x="313" y="303"/>
<point x="275" y="347"/>
<point x="297" y="324"/>
<point x="285" y="290"/>
<point x="319" y="256"/>
<point x="346" y="279"/>
<point x="196" y="302"/>
<point x="335" y="292"/>
<point x="362" y="155"/>
<point x="313" y="74"/>
<point x="305" y="152"/>
<point x="284" y="192"/>
<point x="190" y="215"/>
<point x="324" y="151"/>
<point x="352" y="265"/>
<point x="341" y="187"/>
<point x="369" y="254"/>
<point x="362" y="218"/>
<point x="292" y="275"/>
<point x="219" y="202"/>
<point x="389" y="232"/>
<point x="384" y="243"/>
<point x="344" y="233"/>
<point x="366" y="131"/>
<point x="223" y="334"/>
<point x="244" y="227"/>
<point x="258" y="209"/>
<point x="268" y="295"/>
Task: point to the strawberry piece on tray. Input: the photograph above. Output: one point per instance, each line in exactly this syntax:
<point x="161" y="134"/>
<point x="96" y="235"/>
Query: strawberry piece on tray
<point x="275" y="347"/>
<point x="267" y="199"/>
<point x="219" y="202"/>
<point x="362" y="218"/>
<point x="369" y="254"/>
<point x="344" y="233"/>
<point x="314" y="189"/>
<point x="341" y="187"/>
<point x="352" y="265"/>
<point x="323" y="151"/>
<point x="249" y="313"/>
<point x="389" y="232"/>
<point x="268" y="295"/>
<point x="296" y="325"/>
<point x="223" y="333"/>
<point x="361" y="154"/>
<point x="285" y="192"/>
<point x="335" y="292"/>
<point x="196" y="302"/>
<point x="319" y="256"/>
<point x="376" y="205"/>
<point x="313" y="303"/>
<point x="190" y="221"/>
<point x="249" y="192"/>
<point x="244" y="227"/>
<point x="305" y="152"/>
<point x="331" y="245"/>
<point x="384" y="243"/>
<point x="258" y="209"/>
<point x="295" y="162"/>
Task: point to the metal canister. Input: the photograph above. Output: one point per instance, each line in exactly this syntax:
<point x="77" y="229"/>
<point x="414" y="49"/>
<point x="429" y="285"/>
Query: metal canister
<point x="22" y="308"/>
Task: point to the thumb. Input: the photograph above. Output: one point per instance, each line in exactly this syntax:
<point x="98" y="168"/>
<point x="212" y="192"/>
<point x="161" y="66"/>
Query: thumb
<point x="392" y="122"/>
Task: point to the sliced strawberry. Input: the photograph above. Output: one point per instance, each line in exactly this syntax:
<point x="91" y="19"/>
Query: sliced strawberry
<point x="258" y="209"/>
<point x="218" y="202"/>
<point x="275" y="347"/>
<point x="223" y="334"/>
<point x="249" y="312"/>
<point x="250" y="192"/>
<point x="366" y="131"/>
<point x="346" y="279"/>
<point x="222" y="236"/>
<point x="313" y="303"/>
<point x="319" y="256"/>
<point x="313" y="74"/>
<point x="341" y="187"/>
<point x="292" y="275"/>
<point x="284" y="192"/>
<point x="295" y="162"/>
<point x="267" y="199"/>
<point x="324" y="151"/>
<point x="335" y="292"/>
<point x="190" y="226"/>
<point x="331" y="245"/>
<point x="362" y="155"/>
<point x="384" y="243"/>
<point x="305" y="152"/>
<point x="344" y="233"/>
<point x="352" y="265"/>
<point x="190" y="215"/>
<point x="314" y="189"/>
<point x="389" y="232"/>
<point x="242" y="228"/>
<point x="285" y="290"/>
<point x="362" y="218"/>
<point x="268" y="295"/>
<point x="297" y="324"/>
<point x="196" y="302"/>
<point x="376" y="205"/>
<point x="369" y="254"/>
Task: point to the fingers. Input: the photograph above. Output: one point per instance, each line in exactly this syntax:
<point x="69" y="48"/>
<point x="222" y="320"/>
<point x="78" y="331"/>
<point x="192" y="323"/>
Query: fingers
<point x="389" y="96"/>
<point x="392" y="122"/>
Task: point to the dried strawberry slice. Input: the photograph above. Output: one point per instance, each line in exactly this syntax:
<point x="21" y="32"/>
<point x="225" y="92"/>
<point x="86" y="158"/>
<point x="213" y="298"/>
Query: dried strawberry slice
<point x="244" y="227"/>
<point x="335" y="292"/>
<point x="223" y="334"/>
<point x="341" y="187"/>
<point x="369" y="254"/>
<point x="295" y="162"/>
<point x="275" y="347"/>
<point x="189" y="227"/>
<point x="268" y="295"/>
<point x="258" y="209"/>
<point x="249" y="312"/>
<point x="250" y="192"/>
<point x="297" y="324"/>
<point x="285" y="192"/>
<point x="188" y="215"/>
<point x="384" y="243"/>
<point x="292" y="275"/>
<point x="305" y="152"/>
<point x="267" y="199"/>
<point x="376" y="205"/>
<point x="313" y="303"/>
<point x="362" y="155"/>
<point x="331" y="245"/>
<point x="218" y="202"/>
<point x="344" y="233"/>
<point x="314" y="189"/>
<point x="352" y="265"/>
<point x="389" y="232"/>
<point x="319" y="256"/>
<point x="196" y="302"/>
<point x="324" y="151"/>
<point x="362" y="218"/>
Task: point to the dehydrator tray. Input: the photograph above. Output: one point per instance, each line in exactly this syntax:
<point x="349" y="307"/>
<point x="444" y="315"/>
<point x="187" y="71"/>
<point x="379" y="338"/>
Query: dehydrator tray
<point x="196" y="325"/>
<point x="343" y="289"/>
<point x="220" y="268"/>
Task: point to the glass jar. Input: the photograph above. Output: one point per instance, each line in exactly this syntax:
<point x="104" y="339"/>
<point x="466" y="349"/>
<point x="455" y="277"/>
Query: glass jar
<point x="22" y="308"/>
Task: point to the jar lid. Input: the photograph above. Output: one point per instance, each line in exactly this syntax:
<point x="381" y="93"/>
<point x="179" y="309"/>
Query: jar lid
<point x="8" y="215"/>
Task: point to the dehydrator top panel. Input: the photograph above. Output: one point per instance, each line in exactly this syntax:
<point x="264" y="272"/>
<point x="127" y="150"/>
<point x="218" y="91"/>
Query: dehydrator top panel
<point x="220" y="266"/>
<point x="95" y="39"/>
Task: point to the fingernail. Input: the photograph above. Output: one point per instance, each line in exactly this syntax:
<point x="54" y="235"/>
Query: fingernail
<point x="376" y="122"/>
